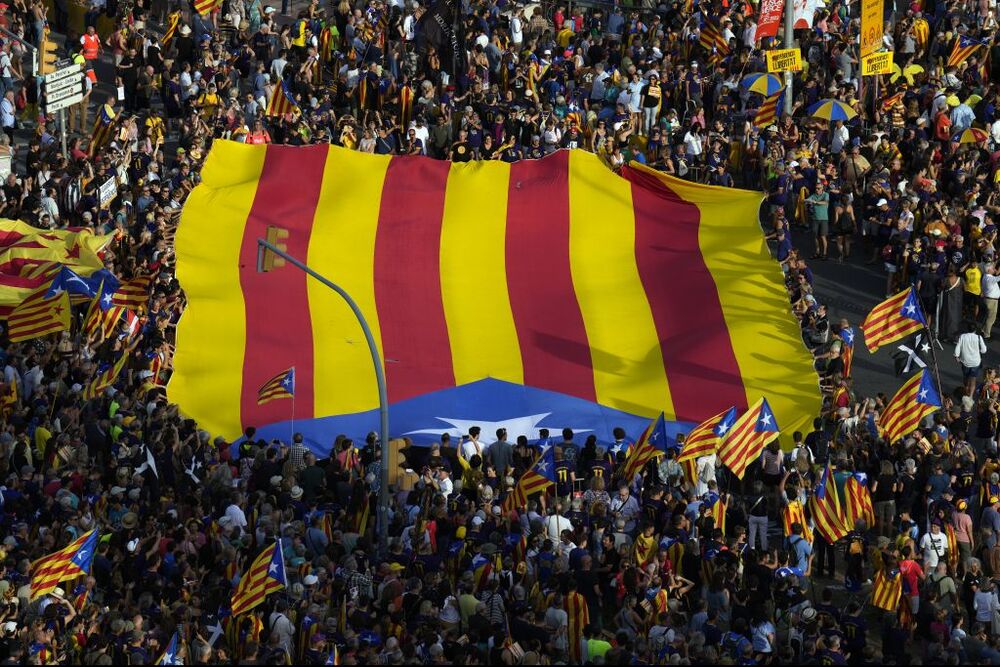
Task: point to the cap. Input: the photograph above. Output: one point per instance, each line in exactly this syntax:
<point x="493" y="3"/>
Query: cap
<point x="882" y="202"/>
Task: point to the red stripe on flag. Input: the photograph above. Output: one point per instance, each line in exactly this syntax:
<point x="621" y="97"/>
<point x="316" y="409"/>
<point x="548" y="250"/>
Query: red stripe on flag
<point x="555" y="350"/>
<point x="408" y="278"/>
<point x="278" y="322"/>
<point x="701" y="367"/>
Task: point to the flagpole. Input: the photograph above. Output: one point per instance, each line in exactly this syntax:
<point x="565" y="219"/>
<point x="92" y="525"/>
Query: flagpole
<point x="932" y="341"/>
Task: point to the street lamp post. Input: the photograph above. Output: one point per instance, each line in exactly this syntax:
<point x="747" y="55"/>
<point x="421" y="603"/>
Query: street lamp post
<point x="263" y="247"/>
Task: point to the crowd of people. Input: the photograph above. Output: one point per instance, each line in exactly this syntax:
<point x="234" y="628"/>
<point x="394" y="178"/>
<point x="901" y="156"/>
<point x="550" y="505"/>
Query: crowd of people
<point x="599" y="568"/>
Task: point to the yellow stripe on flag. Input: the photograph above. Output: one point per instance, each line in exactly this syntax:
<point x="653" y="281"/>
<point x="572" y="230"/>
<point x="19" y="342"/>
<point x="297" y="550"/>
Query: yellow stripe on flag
<point x="211" y="336"/>
<point x="612" y="299"/>
<point x="754" y="302"/>
<point x="342" y="247"/>
<point x="474" y="274"/>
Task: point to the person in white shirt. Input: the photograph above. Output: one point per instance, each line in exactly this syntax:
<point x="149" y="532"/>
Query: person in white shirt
<point x="279" y="624"/>
<point x="471" y="445"/>
<point x="555" y="524"/>
<point x="934" y="546"/>
<point x="236" y="516"/>
<point x="969" y="351"/>
<point x="517" y="28"/>
<point x="444" y="484"/>
<point x="990" y="293"/>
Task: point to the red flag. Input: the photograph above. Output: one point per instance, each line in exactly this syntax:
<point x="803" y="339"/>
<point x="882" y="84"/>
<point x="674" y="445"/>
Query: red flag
<point x="770" y="18"/>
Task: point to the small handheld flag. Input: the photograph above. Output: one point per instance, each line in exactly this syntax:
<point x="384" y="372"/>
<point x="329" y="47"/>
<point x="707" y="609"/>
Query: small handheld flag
<point x="704" y="439"/>
<point x="895" y="318"/>
<point x="749" y="435"/>
<point x="72" y="561"/>
<point x="916" y="399"/>
<point x="169" y="656"/>
<point x="827" y="512"/>
<point x="265" y="576"/>
<point x="281" y="385"/>
<point x="652" y="443"/>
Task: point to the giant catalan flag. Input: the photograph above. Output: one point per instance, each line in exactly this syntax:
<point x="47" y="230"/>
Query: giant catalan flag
<point x="608" y="298"/>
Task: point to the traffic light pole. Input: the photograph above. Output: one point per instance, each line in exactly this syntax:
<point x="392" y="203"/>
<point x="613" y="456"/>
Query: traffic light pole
<point x="263" y="247"/>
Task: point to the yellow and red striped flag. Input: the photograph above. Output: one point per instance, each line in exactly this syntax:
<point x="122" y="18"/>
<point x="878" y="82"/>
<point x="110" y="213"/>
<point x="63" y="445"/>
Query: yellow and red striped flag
<point x="534" y="480"/>
<point x="205" y="7"/>
<point x="579" y="617"/>
<point x="747" y="438"/>
<point x="795" y="513"/>
<point x="895" y="318"/>
<point x="281" y="385"/>
<point x="963" y="49"/>
<point x="103" y="126"/>
<point x="887" y="591"/>
<point x="72" y="561"/>
<point x="106" y="377"/>
<point x="704" y="438"/>
<point x="132" y="294"/>
<point x="173" y="23"/>
<point x="39" y="316"/>
<point x="717" y="510"/>
<point x="921" y="32"/>
<point x="827" y="512"/>
<point x="282" y="101"/>
<point x="847" y="336"/>
<point x="265" y="576"/>
<point x="859" y="501"/>
<point x="769" y="110"/>
<point x="100" y="320"/>
<point x="651" y="444"/>
<point x="917" y="398"/>
<point x="689" y="353"/>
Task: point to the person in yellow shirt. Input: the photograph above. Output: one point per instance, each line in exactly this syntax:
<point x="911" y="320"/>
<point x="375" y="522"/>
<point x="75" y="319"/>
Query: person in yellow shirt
<point x="208" y="102"/>
<point x="973" y="289"/>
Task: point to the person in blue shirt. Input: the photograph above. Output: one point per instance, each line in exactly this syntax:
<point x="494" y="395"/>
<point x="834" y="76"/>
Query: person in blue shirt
<point x="800" y="546"/>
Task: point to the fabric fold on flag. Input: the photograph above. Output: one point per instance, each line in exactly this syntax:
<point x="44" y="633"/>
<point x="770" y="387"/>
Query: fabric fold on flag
<point x="103" y="126"/>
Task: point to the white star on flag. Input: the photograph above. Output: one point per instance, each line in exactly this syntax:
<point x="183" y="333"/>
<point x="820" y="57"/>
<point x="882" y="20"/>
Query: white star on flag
<point x="910" y="309"/>
<point x="542" y="466"/>
<point x="923" y="394"/>
<point x="723" y="427"/>
<point x="106" y="299"/>
<point x="526" y="425"/>
<point x="766" y="420"/>
<point x="273" y="568"/>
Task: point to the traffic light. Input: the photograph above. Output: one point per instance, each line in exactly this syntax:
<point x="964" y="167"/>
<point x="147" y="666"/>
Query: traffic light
<point x="275" y="236"/>
<point x="47" y="56"/>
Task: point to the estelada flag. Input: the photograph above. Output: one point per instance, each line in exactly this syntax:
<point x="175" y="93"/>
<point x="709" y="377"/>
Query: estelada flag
<point x="635" y="293"/>
<point x="31" y="257"/>
<point x="887" y="590"/>
<point x="897" y="317"/>
<point x="72" y="561"/>
<point x="38" y="316"/>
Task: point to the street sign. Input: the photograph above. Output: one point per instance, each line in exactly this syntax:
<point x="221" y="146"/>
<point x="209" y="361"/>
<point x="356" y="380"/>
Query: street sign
<point x="64" y="73"/>
<point x="65" y="103"/>
<point x="63" y="87"/>
<point x="55" y="90"/>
